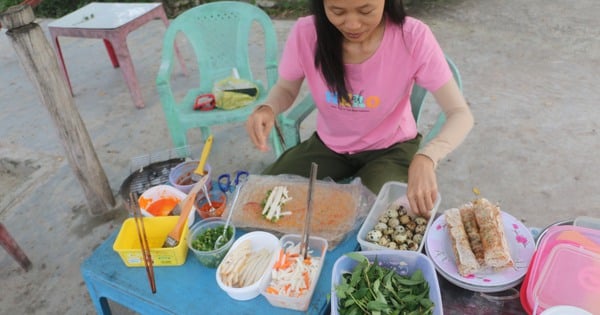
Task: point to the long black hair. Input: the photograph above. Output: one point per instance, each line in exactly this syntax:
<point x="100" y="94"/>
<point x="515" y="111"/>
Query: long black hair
<point x="328" y="55"/>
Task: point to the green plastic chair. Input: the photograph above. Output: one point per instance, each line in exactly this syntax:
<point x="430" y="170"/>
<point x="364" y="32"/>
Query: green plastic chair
<point x="218" y="33"/>
<point x="291" y="120"/>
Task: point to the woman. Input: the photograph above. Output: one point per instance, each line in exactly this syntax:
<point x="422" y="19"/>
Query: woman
<point x="360" y="59"/>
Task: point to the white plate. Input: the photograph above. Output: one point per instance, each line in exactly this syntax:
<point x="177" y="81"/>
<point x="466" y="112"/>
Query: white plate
<point x="520" y="242"/>
<point x="464" y="285"/>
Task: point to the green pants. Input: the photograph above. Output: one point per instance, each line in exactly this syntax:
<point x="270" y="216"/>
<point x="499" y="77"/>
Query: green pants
<point x="374" y="168"/>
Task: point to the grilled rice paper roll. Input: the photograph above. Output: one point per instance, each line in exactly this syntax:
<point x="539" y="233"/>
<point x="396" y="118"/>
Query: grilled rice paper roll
<point x="491" y="229"/>
<point x="466" y="262"/>
<point x="467" y="215"/>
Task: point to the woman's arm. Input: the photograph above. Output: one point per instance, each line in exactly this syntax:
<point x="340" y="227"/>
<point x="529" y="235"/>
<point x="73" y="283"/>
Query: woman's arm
<point x="280" y="98"/>
<point x="459" y="122"/>
<point x="422" y="184"/>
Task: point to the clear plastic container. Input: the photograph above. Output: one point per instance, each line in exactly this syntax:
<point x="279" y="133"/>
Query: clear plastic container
<point x="214" y="257"/>
<point x="403" y="262"/>
<point x="571" y="276"/>
<point x="389" y="193"/>
<point x="568" y="235"/>
<point x="587" y="222"/>
<point x="317" y="247"/>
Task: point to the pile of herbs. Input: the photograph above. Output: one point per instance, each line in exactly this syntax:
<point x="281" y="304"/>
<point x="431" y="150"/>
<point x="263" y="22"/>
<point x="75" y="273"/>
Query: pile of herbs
<point x="377" y="290"/>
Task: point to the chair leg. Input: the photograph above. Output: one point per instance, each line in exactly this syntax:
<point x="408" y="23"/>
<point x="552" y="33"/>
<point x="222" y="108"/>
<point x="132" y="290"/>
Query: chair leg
<point x="13" y="248"/>
<point x="205" y="132"/>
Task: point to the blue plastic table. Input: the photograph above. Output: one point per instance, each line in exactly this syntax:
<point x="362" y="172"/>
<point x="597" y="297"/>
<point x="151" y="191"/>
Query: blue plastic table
<point x="187" y="289"/>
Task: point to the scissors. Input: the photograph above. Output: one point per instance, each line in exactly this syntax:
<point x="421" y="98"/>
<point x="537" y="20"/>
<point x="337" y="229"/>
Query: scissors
<point x="225" y="183"/>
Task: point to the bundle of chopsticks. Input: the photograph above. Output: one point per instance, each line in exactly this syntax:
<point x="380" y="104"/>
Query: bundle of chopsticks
<point x="141" y="231"/>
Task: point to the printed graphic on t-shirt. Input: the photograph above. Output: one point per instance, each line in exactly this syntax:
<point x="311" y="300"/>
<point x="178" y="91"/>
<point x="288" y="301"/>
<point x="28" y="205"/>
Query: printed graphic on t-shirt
<point x="360" y="103"/>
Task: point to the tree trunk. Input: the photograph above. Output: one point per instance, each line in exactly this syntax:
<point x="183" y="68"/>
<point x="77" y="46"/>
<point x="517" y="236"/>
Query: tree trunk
<point x="39" y="61"/>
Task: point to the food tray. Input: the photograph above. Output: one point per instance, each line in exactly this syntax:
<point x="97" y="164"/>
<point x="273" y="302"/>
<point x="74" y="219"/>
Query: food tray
<point x="317" y="247"/>
<point x="337" y="208"/>
<point x="404" y="263"/>
<point x="389" y="193"/>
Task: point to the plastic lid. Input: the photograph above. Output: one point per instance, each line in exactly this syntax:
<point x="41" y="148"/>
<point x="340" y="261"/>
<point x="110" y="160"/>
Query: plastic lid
<point x="571" y="276"/>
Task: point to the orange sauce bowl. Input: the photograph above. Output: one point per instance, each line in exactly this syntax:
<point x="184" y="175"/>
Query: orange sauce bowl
<point x="218" y="200"/>
<point x="160" y="200"/>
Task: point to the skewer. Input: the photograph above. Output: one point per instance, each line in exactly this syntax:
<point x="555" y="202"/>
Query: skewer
<point x="305" y="234"/>
<point x="141" y="231"/>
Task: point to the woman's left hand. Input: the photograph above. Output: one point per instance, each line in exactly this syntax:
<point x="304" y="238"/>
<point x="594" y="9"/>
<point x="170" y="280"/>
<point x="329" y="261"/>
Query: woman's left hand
<point x="422" y="185"/>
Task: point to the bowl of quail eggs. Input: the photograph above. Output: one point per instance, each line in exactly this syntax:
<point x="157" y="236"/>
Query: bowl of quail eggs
<point x="391" y="224"/>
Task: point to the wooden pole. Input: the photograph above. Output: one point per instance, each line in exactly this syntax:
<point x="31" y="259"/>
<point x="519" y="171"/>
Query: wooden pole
<point x="39" y="61"/>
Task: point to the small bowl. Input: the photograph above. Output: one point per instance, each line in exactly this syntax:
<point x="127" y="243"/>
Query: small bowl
<point x="160" y="201"/>
<point x="218" y="200"/>
<point x="259" y="240"/>
<point x="209" y="258"/>
<point x="180" y="176"/>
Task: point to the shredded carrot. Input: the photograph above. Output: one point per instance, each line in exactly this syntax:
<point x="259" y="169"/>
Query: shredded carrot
<point x="306" y="279"/>
<point x="272" y="290"/>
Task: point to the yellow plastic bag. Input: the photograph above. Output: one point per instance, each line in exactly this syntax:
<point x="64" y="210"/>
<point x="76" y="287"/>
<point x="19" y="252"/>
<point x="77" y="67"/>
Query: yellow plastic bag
<point x="232" y="93"/>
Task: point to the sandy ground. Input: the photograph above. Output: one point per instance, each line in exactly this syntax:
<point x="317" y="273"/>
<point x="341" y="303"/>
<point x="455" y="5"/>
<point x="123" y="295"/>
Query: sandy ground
<point x="529" y="69"/>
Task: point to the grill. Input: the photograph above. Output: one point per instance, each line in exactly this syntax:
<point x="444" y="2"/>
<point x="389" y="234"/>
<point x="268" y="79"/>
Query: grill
<point x="151" y="170"/>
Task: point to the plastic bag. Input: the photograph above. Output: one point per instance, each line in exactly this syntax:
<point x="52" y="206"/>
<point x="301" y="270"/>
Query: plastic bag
<point x="338" y="209"/>
<point x="233" y="93"/>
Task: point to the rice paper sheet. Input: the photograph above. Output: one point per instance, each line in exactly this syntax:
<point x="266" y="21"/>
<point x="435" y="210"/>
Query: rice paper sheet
<point x="338" y="209"/>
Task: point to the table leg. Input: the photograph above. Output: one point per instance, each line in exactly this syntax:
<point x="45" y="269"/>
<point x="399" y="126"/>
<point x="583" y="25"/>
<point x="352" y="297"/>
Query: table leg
<point x="59" y="57"/>
<point x="13" y="248"/>
<point x="119" y="43"/>
<point x="111" y="53"/>
<point x="100" y="303"/>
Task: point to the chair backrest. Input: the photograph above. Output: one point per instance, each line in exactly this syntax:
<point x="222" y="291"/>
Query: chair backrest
<point x="218" y="33"/>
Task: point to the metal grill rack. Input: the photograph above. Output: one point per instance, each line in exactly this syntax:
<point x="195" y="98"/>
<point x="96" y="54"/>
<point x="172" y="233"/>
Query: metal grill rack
<point x="152" y="169"/>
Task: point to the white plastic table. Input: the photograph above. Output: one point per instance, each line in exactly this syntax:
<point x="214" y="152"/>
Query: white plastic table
<point x="112" y="22"/>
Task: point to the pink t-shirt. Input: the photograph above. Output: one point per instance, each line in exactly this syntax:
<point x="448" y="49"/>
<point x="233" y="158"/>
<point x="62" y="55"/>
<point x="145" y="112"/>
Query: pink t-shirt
<point x="380" y="114"/>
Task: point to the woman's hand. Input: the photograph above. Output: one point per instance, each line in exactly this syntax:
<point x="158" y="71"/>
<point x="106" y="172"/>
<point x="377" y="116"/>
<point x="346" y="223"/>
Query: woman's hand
<point x="422" y="185"/>
<point x="259" y="126"/>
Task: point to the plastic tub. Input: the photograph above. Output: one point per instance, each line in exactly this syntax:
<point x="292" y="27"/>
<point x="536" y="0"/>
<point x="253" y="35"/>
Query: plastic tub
<point x="575" y="236"/>
<point x="390" y="192"/>
<point x="160" y="200"/>
<point x="403" y="262"/>
<point x="317" y="247"/>
<point x="571" y="276"/>
<point x="127" y="243"/>
<point x="587" y="222"/>
<point x="259" y="240"/>
<point x="210" y="258"/>
<point x="180" y="175"/>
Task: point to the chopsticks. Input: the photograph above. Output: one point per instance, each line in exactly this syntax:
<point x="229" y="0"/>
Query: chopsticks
<point x="305" y="234"/>
<point x="141" y="231"/>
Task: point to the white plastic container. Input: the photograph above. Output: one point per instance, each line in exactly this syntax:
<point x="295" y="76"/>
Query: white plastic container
<point x="317" y="246"/>
<point x="403" y="262"/>
<point x="157" y="194"/>
<point x="258" y="240"/>
<point x="389" y="193"/>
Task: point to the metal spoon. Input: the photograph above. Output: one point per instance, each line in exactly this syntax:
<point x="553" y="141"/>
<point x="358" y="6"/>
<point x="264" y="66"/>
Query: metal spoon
<point x="220" y="239"/>
<point x="305" y="234"/>
<point x="212" y="209"/>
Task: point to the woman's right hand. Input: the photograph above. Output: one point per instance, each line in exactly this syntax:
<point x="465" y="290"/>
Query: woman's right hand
<point x="259" y="125"/>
